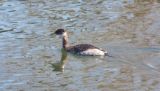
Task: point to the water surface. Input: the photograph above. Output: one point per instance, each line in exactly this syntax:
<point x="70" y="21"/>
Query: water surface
<point x="32" y="59"/>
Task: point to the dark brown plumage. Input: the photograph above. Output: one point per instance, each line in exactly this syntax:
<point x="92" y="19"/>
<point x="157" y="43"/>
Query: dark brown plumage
<point x="59" y="31"/>
<point x="80" y="47"/>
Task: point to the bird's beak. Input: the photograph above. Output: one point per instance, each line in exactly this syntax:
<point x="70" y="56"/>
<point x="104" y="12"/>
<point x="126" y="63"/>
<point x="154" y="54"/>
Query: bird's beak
<point x="53" y="35"/>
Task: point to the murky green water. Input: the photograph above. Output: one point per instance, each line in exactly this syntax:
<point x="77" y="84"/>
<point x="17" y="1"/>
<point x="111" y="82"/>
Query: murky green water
<point x="32" y="60"/>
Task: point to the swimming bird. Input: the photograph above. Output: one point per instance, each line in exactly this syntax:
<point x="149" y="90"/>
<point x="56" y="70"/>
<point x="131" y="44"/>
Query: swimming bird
<point x="81" y="49"/>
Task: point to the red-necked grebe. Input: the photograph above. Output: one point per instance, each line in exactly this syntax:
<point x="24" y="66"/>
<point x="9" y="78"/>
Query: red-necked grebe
<point x="81" y="49"/>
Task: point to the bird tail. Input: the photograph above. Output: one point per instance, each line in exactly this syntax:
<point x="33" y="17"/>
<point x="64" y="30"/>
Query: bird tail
<point x="106" y="53"/>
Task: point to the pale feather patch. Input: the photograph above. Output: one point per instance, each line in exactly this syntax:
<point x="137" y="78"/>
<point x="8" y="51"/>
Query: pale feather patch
<point x="93" y="52"/>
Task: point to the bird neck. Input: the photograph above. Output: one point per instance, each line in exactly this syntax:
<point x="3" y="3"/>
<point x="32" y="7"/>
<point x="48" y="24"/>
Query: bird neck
<point x="65" y="41"/>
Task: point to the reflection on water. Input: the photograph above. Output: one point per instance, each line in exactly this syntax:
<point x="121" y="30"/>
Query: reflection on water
<point x="61" y="64"/>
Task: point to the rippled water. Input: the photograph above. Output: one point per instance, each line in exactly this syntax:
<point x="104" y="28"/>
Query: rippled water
<point x="32" y="59"/>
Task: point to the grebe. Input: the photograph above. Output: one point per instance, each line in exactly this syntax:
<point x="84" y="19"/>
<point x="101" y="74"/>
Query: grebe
<point x="81" y="49"/>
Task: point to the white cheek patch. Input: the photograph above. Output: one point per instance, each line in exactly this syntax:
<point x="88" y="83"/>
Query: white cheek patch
<point x="64" y="34"/>
<point x="92" y="52"/>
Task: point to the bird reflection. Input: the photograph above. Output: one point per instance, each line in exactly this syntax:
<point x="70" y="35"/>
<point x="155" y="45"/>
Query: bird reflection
<point x="60" y="65"/>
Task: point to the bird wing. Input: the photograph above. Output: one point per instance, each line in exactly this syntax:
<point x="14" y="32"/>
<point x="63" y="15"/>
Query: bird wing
<point x="81" y="47"/>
